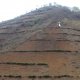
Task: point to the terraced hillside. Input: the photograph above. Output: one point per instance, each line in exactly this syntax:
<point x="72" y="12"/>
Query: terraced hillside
<point x="33" y="47"/>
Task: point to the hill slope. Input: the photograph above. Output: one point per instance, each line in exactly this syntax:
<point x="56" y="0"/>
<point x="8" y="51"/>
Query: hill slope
<point x="16" y="31"/>
<point x="32" y="46"/>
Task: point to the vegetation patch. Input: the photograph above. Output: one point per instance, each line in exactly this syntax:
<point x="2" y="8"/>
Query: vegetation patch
<point x="44" y="76"/>
<point x="13" y="76"/>
<point x="14" y="63"/>
<point x="63" y="76"/>
<point x="42" y="64"/>
<point x="32" y="77"/>
<point x="45" y="51"/>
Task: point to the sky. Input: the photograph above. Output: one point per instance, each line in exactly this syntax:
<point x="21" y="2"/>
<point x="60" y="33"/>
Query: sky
<point x="10" y="9"/>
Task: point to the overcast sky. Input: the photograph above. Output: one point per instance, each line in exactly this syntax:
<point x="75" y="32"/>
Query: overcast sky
<point x="12" y="8"/>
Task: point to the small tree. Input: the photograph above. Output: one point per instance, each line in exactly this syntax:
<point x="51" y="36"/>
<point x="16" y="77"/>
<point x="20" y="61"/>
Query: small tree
<point x="75" y="9"/>
<point x="50" y="4"/>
